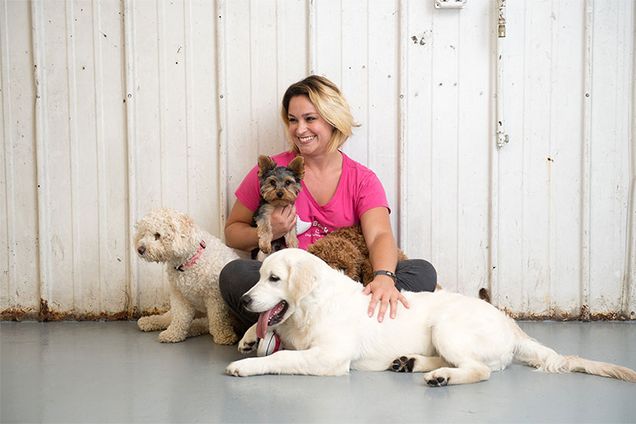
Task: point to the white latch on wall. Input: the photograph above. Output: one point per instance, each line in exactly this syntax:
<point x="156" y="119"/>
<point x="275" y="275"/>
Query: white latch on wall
<point x="450" y="4"/>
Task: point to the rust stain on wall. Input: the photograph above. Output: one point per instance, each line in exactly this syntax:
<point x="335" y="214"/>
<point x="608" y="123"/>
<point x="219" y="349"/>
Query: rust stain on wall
<point x="583" y="315"/>
<point x="46" y="314"/>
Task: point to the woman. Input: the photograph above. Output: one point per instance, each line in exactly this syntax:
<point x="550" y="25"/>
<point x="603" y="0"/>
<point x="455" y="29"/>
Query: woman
<point x="336" y="192"/>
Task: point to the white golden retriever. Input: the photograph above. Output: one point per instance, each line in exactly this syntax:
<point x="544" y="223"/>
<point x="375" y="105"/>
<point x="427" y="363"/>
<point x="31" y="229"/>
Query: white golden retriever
<point x="321" y="314"/>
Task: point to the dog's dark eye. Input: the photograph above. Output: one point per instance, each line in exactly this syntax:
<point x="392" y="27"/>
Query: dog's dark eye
<point x="273" y="278"/>
<point x="287" y="183"/>
<point x="273" y="183"/>
<point x="157" y="236"/>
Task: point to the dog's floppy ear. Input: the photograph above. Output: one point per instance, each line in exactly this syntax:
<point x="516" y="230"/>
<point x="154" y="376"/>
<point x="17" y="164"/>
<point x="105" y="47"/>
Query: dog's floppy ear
<point x="265" y="164"/>
<point x="186" y="224"/>
<point x="181" y="226"/>
<point x="297" y="166"/>
<point x="302" y="279"/>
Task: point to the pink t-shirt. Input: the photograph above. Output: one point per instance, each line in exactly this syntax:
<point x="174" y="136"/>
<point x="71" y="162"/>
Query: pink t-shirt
<point x="359" y="190"/>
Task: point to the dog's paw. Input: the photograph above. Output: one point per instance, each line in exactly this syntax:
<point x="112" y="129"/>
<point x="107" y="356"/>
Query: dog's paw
<point x="265" y="247"/>
<point x="145" y="324"/>
<point x="247" y="346"/>
<point x="241" y="368"/>
<point x="436" y="379"/>
<point x="403" y="364"/>
<point x="291" y="241"/>
<point x="234" y="370"/>
<point x="150" y="323"/>
<point x="225" y="338"/>
<point x="249" y="342"/>
<point x="168" y="336"/>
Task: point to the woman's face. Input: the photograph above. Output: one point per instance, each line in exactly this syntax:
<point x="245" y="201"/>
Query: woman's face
<point x="307" y="129"/>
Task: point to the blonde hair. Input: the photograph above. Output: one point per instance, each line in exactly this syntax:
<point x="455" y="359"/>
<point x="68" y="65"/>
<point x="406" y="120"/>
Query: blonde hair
<point x="330" y="104"/>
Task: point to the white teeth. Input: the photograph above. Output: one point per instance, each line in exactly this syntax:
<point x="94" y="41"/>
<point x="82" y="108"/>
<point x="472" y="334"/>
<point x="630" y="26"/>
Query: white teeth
<point x="306" y="139"/>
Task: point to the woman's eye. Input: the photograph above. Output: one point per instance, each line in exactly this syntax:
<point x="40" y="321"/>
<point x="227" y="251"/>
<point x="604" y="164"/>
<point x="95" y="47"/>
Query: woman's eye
<point x="311" y="118"/>
<point x="157" y="236"/>
<point x="291" y="120"/>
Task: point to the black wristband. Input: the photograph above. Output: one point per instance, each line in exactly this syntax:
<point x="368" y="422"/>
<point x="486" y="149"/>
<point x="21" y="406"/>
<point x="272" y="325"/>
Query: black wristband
<point x="387" y="273"/>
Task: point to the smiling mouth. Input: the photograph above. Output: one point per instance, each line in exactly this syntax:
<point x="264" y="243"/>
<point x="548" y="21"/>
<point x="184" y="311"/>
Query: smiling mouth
<point x="271" y="317"/>
<point x="306" y="139"/>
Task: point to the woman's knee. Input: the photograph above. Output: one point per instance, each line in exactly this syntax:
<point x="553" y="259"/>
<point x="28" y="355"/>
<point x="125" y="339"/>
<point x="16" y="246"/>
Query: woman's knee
<point x="416" y="275"/>
<point x="226" y="277"/>
<point x="427" y="270"/>
<point x="237" y="277"/>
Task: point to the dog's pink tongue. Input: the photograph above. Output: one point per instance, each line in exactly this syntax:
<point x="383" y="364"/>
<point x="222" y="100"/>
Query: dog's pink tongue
<point x="261" y="325"/>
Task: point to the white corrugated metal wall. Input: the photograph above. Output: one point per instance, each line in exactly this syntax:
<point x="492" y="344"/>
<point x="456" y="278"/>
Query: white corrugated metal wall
<point x="110" y="108"/>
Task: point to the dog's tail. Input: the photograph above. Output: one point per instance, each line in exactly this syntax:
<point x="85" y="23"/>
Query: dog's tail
<point x="533" y="353"/>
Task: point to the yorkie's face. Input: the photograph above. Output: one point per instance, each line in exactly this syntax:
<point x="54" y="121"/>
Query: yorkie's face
<point x="280" y="185"/>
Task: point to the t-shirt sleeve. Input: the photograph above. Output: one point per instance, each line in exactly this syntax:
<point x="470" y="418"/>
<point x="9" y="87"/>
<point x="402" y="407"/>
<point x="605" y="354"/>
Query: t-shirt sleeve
<point x="371" y="194"/>
<point x="248" y="192"/>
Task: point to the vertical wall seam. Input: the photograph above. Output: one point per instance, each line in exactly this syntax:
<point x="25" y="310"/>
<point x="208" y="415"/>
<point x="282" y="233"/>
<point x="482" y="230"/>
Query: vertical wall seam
<point x="7" y="153"/>
<point x="630" y="242"/>
<point x="431" y="170"/>
<point x="37" y="28"/>
<point x="71" y="81"/>
<point x="161" y="80"/>
<point x="279" y="42"/>
<point x="458" y="226"/>
<point x="221" y="63"/>
<point x="311" y="36"/>
<point x="367" y="140"/>
<point x="131" y="151"/>
<point x="100" y="147"/>
<point x="550" y="165"/>
<point x="496" y="97"/>
<point x="525" y="298"/>
<point x="187" y="59"/>
<point x="339" y="80"/>
<point x="254" y="115"/>
<point x="586" y="159"/>
<point x="403" y="128"/>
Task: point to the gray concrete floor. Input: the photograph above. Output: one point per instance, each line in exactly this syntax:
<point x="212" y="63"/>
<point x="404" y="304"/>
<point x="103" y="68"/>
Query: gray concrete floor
<point x="111" y="372"/>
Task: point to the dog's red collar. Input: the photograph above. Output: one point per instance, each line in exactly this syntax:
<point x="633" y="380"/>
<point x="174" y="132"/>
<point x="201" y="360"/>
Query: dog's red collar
<point x="193" y="260"/>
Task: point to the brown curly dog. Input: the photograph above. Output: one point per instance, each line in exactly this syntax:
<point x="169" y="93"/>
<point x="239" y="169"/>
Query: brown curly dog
<point x="346" y="250"/>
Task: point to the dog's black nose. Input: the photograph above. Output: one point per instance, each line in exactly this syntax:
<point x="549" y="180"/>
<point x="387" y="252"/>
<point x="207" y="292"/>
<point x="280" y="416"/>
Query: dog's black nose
<point x="245" y="301"/>
<point x="279" y="194"/>
<point x="141" y="250"/>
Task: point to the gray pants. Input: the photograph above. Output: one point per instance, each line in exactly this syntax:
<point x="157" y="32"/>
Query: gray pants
<point x="240" y="275"/>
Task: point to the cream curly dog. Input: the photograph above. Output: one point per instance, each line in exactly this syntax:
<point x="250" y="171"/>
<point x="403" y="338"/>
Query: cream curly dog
<point x="194" y="259"/>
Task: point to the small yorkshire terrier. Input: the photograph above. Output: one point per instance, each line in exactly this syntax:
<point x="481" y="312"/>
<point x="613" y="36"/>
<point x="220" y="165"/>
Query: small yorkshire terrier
<point x="280" y="186"/>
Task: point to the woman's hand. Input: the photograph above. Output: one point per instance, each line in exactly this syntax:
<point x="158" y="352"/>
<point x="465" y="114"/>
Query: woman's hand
<point x="283" y="220"/>
<point x="382" y="289"/>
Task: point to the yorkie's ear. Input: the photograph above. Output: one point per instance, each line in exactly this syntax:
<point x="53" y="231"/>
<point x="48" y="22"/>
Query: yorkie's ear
<point x="297" y="166"/>
<point x="265" y="164"/>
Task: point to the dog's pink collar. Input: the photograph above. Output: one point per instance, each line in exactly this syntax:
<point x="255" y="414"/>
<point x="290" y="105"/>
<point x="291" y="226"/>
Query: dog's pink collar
<point x="193" y="260"/>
